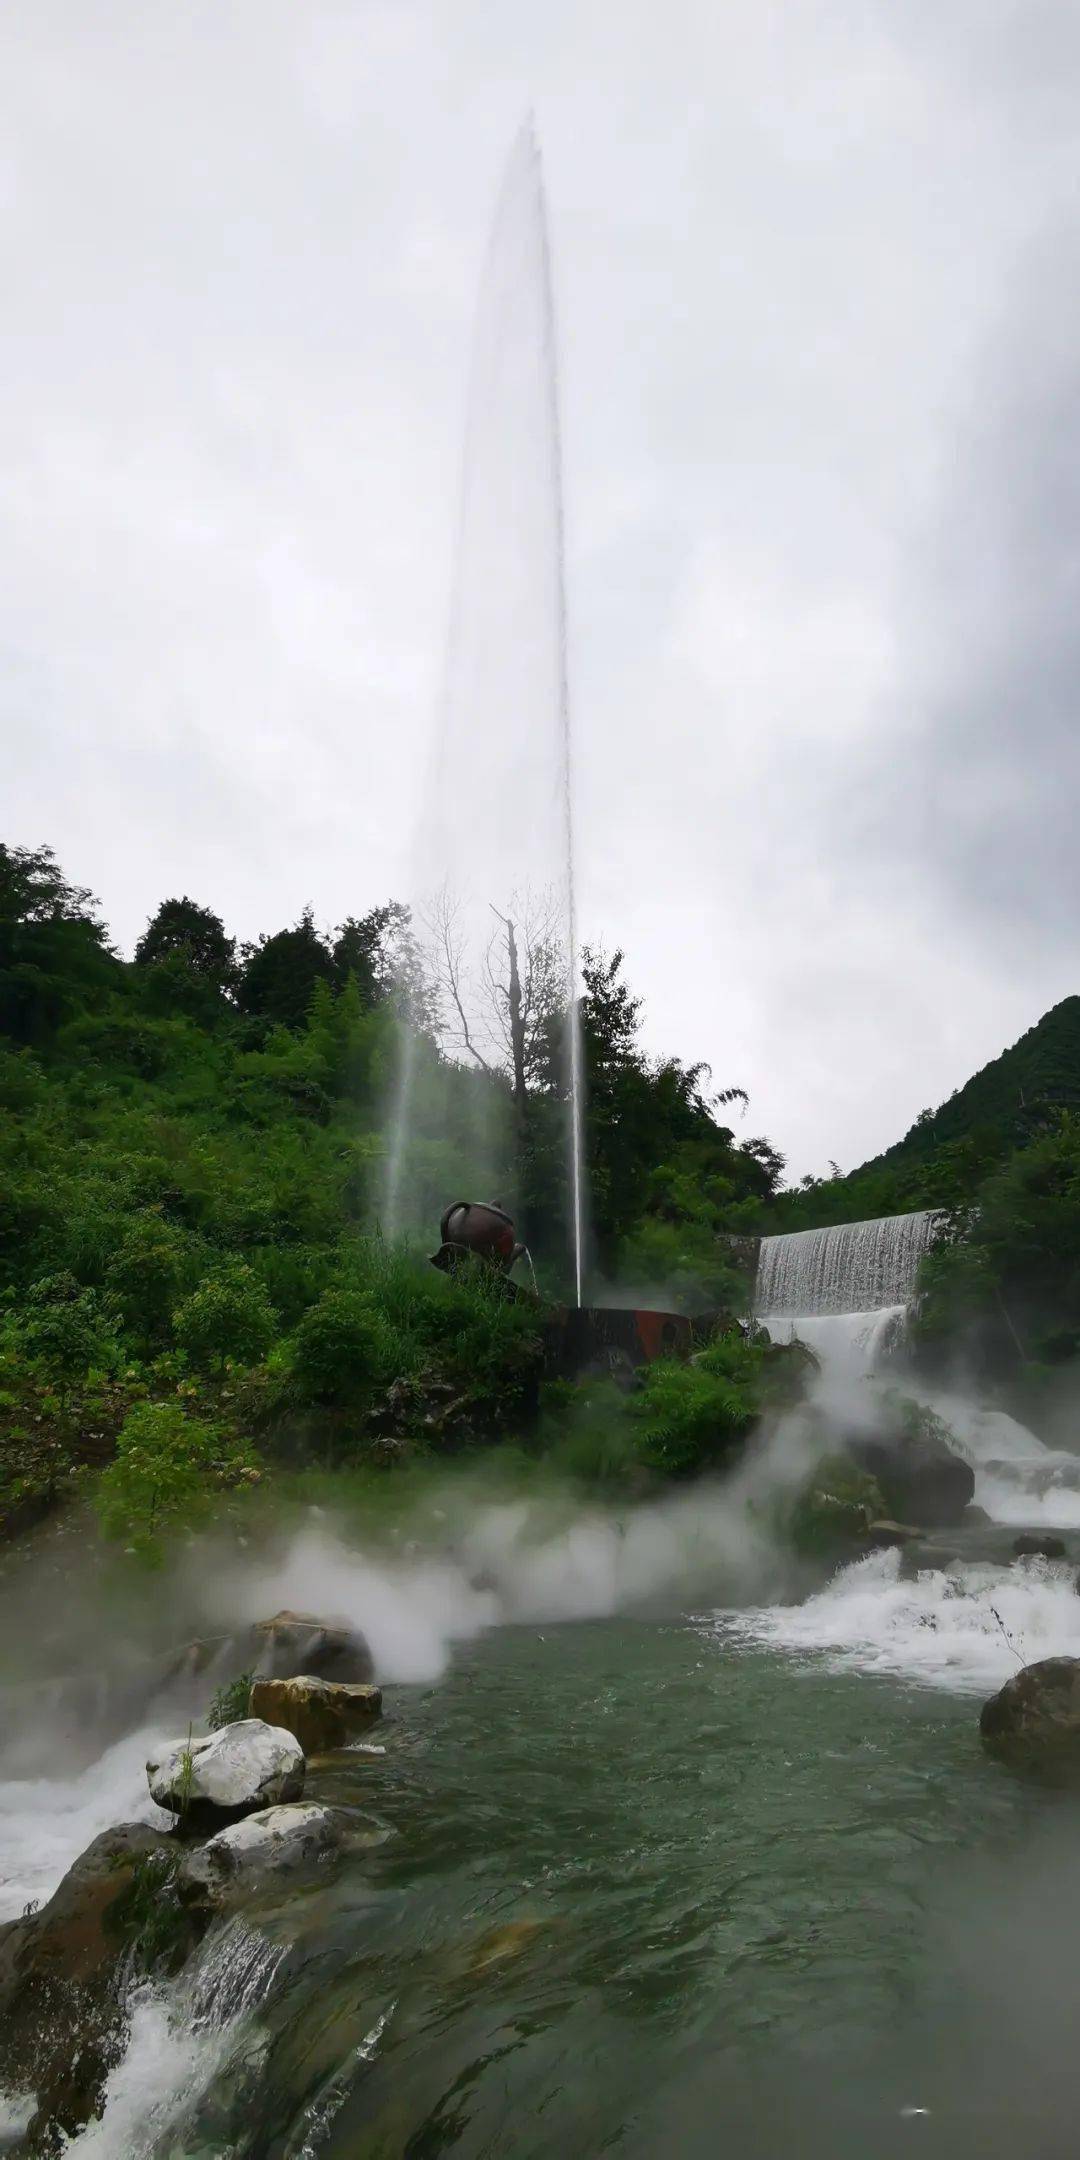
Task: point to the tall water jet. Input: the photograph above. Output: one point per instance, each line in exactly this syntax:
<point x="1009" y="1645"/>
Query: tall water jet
<point x="493" y="887"/>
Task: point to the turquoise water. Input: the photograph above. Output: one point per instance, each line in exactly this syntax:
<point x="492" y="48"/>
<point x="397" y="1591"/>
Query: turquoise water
<point x="635" y="1886"/>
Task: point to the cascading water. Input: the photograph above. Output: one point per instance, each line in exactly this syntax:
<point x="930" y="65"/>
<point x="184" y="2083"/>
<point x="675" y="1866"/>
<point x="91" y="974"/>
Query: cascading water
<point x="494" y="886"/>
<point x="845" y="1292"/>
<point x="852" y="1267"/>
<point x="181" y="2038"/>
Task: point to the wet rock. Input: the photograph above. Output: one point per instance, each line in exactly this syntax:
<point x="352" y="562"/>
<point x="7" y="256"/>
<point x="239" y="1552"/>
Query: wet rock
<point x="974" y="1516"/>
<point x="921" y="1479"/>
<point x="882" y="1536"/>
<point x="500" y="1943"/>
<point x="1039" y="1546"/>
<point x="835" y="1508"/>
<point x="291" y="1644"/>
<point x="63" y="2020"/>
<point x="242" y="1768"/>
<point x="427" y="1404"/>
<point x="1034" y="1720"/>
<point x="276" y="1841"/>
<point x="321" y="1714"/>
<point x="939" y="1554"/>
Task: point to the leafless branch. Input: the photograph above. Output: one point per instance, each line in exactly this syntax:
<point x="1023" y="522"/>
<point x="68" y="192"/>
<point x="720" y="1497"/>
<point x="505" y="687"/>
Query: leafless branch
<point x="448" y="949"/>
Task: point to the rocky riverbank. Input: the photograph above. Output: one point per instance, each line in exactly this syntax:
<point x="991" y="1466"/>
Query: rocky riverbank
<point x="138" y="1902"/>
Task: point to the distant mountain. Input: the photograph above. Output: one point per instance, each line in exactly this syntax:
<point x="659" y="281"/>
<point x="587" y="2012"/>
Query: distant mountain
<point x="1012" y="1097"/>
<point x="948" y="1152"/>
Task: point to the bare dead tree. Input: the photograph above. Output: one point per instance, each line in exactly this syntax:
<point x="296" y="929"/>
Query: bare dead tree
<point x="524" y="978"/>
<point x="499" y="1003"/>
<point x="450" y="966"/>
<point x="510" y="993"/>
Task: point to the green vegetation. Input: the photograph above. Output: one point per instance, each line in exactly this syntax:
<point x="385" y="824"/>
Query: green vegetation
<point x="192" y="1275"/>
<point x="693" y="1417"/>
<point x="1000" y="1295"/>
<point x="170" y="1467"/>
<point x="947" y="1157"/>
<point x="150" y="1918"/>
<point x="835" y="1507"/>
<point x="230" y="1702"/>
<point x="193" y="1279"/>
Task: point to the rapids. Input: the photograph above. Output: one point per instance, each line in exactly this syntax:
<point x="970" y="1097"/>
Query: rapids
<point x="619" y="1882"/>
<point x="661" y="1841"/>
<point x="845" y="1291"/>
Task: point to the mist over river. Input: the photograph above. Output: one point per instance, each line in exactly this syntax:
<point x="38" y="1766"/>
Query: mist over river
<point x="690" y="1873"/>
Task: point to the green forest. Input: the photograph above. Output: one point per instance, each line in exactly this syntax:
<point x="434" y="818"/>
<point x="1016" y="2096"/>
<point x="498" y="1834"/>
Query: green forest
<point x="195" y="1283"/>
<point x="193" y="1274"/>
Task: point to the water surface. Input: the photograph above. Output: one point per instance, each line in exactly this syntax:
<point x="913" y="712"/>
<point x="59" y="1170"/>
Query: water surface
<point x="649" y="1886"/>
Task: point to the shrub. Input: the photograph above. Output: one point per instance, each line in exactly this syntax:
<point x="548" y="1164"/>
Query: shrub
<point x="343" y="1347"/>
<point x="694" y="1415"/>
<point x="149" y="1272"/>
<point x="169" y="1468"/>
<point x="461" y="1328"/>
<point x="151" y="1917"/>
<point x="917" y="1422"/>
<point x="592" y="1437"/>
<point x="230" y="1702"/>
<point x="228" y="1316"/>
<point x="64" y="1329"/>
<point x="478" y="1336"/>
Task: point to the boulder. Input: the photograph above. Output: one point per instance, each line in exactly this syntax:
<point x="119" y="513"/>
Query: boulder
<point x="974" y="1515"/>
<point x="63" y="2015"/>
<point x="293" y="1643"/>
<point x="242" y="1768"/>
<point x="1039" y="1546"/>
<point x="883" y="1535"/>
<point x="833" y="1512"/>
<point x="1034" y="1720"/>
<point x="321" y="1714"/>
<point x="276" y="1841"/>
<point x="922" y="1480"/>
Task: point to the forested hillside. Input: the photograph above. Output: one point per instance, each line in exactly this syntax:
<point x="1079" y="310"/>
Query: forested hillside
<point x="945" y="1156"/>
<point x="1012" y="1099"/>
<point x="191" y="1181"/>
<point x="999" y="1297"/>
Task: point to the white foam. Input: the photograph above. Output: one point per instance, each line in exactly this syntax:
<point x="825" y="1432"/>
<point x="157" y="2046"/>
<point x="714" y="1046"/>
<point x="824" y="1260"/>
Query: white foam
<point x="1018" y="1479"/>
<point x="164" y="2070"/>
<point x="966" y="1629"/>
<point x="17" y="2111"/>
<point x="180" y="2037"/>
<point x="45" y="1823"/>
<point x="1032" y="1506"/>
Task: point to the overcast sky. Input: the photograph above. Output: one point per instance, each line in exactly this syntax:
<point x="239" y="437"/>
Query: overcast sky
<point x="818" y="289"/>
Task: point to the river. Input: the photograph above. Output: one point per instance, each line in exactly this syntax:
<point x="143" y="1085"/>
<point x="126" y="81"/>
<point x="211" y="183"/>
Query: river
<point x="674" y="1883"/>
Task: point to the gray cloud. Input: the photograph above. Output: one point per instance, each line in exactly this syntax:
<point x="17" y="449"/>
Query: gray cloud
<point x="819" y="315"/>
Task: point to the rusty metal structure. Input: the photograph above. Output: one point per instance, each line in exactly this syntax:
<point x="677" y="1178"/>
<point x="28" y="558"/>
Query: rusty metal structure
<point x="581" y="1338"/>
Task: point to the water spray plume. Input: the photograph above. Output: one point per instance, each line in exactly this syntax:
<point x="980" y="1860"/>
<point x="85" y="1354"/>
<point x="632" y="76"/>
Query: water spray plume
<point x="495" y="839"/>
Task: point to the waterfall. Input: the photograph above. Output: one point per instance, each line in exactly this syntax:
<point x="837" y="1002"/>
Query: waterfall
<point x="850" y="1268"/>
<point x="844" y="1292"/>
<point x="184" y="2036"/>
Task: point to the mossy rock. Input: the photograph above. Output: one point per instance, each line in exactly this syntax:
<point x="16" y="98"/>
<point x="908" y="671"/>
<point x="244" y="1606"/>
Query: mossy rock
<point x="836" y="1507"/>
